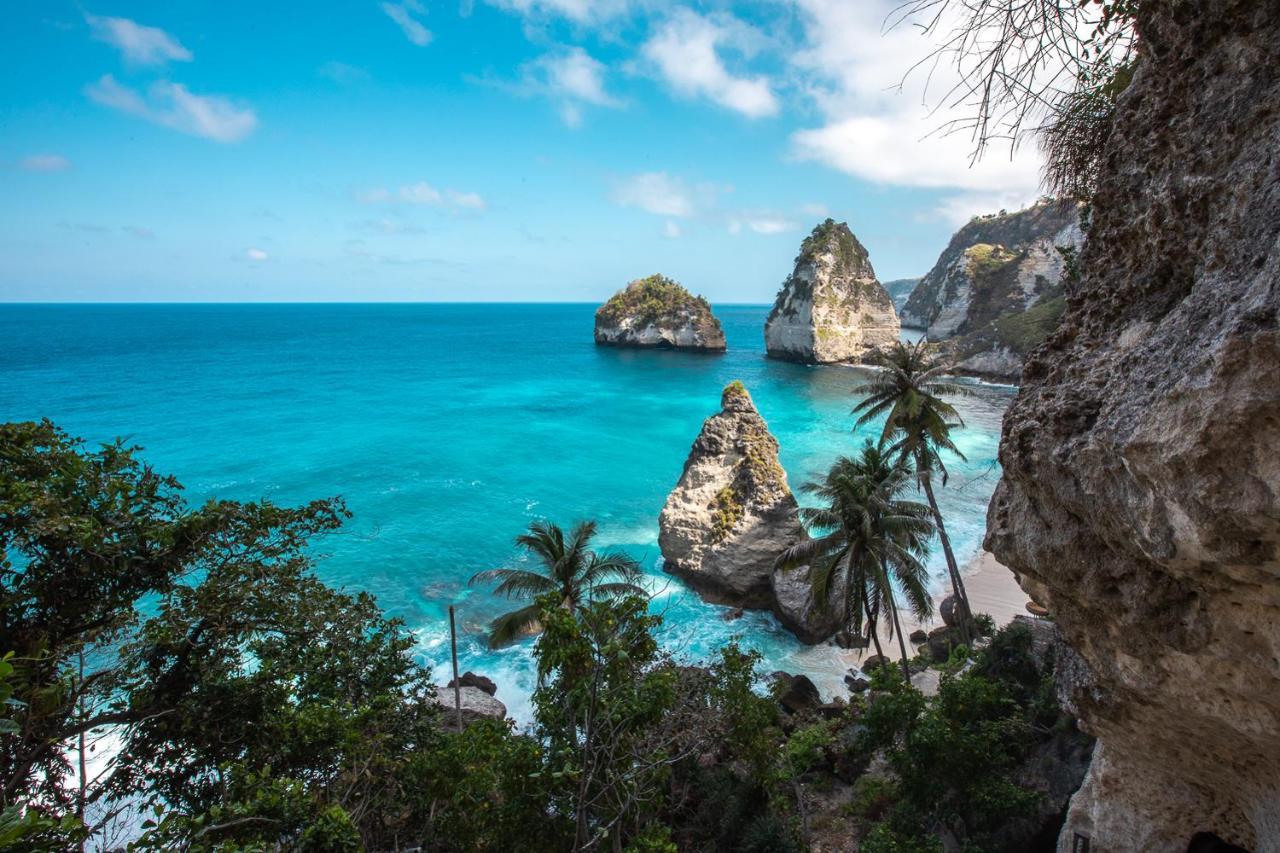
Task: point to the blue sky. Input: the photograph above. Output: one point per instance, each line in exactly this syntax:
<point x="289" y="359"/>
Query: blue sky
<point x="509" y="150"/>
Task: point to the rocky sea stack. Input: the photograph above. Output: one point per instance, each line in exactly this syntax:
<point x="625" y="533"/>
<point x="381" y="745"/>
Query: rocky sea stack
<point x="732" y="514"/>
<point x="831" y="308"/>
<point x="656" y="312"/>
<point x="997" y="290"/>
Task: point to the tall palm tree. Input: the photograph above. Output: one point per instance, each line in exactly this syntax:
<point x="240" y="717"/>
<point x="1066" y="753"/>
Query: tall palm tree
<point x="866" y="540"/>
<point x="918" y="423"/>
<point x="566" y="567"/>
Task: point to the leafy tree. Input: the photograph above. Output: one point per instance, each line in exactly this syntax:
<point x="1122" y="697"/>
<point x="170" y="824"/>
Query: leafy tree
<point x="865" y="540"/>
<point x="248" y="697"/>
<point x="569" y="569"/>
<point x="600" y="706"/>
<point x="908" y="391"/>
<point x="953" y="755"/>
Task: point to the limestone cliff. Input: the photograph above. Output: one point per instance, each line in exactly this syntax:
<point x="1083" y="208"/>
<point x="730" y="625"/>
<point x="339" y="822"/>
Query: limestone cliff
<point x="656" y="312"/>
<point x="731" y="515"/>
<point x="899" y="291"/>
<point x="1140" y="498"/>
<point x="831" y="308"/>
<point x="996" y="291"/>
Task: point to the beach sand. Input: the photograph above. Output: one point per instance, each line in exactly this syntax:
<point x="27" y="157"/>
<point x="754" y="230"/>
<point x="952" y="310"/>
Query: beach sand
<point x="991" y="588"/>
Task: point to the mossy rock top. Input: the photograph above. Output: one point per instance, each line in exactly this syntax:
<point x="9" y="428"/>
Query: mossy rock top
<point x="656" y="300"/>
<point x="836" y="238"/>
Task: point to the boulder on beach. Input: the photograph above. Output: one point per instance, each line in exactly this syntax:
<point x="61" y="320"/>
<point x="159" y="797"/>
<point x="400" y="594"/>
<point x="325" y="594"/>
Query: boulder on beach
<point x="796" y="693"/>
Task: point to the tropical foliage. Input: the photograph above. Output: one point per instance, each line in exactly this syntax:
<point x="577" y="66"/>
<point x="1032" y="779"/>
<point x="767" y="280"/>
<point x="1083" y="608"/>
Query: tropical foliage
<point x="569" y="571"/>
<point x="866" y="540"/>
<point x="908" y="393"/>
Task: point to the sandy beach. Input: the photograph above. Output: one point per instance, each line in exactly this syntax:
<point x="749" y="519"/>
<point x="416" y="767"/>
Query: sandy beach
<point x="992" y="590"/>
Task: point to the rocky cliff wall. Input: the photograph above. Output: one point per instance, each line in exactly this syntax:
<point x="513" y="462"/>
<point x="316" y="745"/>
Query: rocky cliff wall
<point x="996" y="291"/>
<point x="1140" y="499"/>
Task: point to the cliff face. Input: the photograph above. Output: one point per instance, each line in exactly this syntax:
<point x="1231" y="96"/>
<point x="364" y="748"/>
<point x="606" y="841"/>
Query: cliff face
<point x="899" y="291"/>
<point x="997" y="290"/>
<point x="656" y="312"/>
<point x="732" y="514"/>
<point x="831" y="308"/>
<point x="1140" y="499"/>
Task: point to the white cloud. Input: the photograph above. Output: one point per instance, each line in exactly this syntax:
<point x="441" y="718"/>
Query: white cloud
<point x="815" y="209"/>
<point x="671" y="229"/>
<point x="569" y="76"/>
<point x="45" y="163"/>
<point x="881" y="128"/>
<point x="685" y="52"/>
<point x="769" y="224"/>
<point x="403" y="14"/>
<point x="663" y="194"/>
<point x="422" y="193"/>
<point x="255" y="254"/>
<point x="172" y="105"/>
<point x="579" y="11"/>
<point x="140" y="44"/>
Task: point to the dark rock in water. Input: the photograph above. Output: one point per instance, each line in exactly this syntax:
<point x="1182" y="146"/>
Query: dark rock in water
<point x="796" y="692"/>
<point x="918" y="636"/>
<point x="471" y="679"/>
<point x="732" y="614"/>
<point x="856" y="683"/>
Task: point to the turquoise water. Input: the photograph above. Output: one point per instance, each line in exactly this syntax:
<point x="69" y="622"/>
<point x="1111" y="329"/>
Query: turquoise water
<point x="447" y="429"/>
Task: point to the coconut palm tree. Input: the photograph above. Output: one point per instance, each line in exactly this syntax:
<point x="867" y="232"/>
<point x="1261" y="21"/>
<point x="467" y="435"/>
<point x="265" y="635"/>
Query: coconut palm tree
<point x="567" y="567"/>
<point x="867" y="540"/>
<point x="918" y="423"/>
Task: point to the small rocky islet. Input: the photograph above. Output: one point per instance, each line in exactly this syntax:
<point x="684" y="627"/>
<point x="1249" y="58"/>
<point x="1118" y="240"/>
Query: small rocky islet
<point x="656" y="312"/>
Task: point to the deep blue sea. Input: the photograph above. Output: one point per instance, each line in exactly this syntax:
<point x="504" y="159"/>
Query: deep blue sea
<point x="447" y="429"/>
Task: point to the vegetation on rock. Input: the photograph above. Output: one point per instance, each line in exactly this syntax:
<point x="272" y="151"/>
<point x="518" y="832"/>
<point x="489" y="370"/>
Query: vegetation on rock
<point x="655" y="300"/>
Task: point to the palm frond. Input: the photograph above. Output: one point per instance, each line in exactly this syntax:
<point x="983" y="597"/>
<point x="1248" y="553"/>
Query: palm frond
<point x="513" y="626"/>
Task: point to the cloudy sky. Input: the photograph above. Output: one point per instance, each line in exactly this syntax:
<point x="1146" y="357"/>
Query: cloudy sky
<point x="520" y="150"/>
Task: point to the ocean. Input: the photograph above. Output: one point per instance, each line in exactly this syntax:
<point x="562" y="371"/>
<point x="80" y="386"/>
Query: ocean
<point x="448" y="428"/>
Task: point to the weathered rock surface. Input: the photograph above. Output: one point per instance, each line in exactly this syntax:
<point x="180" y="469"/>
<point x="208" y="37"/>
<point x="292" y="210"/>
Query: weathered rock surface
<point x="831" y="308"/>
<point x="1140" y="499"/>
<point x="476" y="704"/>
<point x="656" y="312"/>
<point x="731" y="515"/>
<point x="997" y="290"/>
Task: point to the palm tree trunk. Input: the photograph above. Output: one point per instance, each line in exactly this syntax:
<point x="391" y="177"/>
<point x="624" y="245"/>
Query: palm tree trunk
<point x="872" y="627"/>
<point x="957" y="584"/>
<point x="902" y="643"/>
